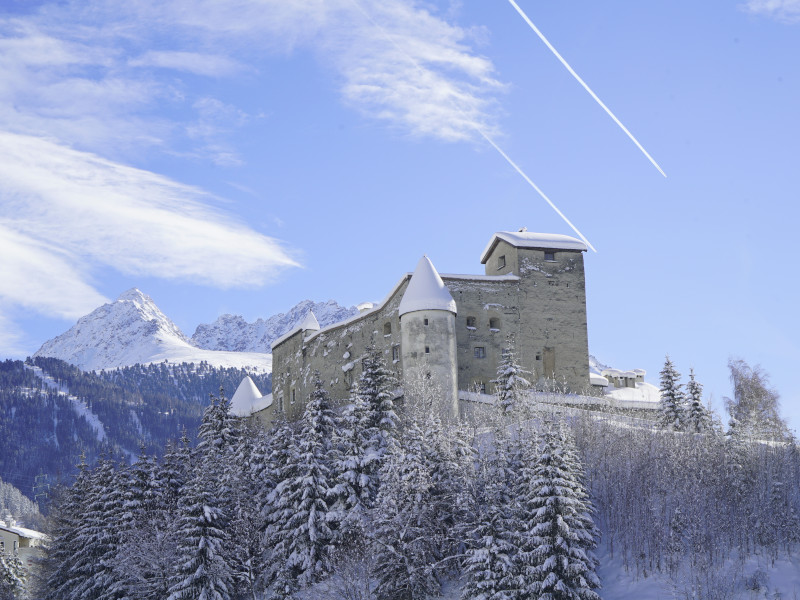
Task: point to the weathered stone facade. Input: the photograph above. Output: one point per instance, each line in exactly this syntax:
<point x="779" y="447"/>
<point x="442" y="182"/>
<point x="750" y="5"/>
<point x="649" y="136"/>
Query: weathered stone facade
<point x="533" y="290"/>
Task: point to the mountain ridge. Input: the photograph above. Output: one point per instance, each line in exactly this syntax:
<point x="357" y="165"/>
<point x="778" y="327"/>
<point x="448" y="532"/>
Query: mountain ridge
<point x="133" y="330"/>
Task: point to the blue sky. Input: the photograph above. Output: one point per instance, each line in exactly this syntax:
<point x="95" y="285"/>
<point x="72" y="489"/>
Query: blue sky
<point x="240" y="156"/>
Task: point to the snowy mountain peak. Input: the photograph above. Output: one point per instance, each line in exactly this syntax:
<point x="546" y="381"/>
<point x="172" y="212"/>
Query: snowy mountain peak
<point x="233" y="333"/>
<point x="123" y="332"/>
<point x="135" y="295"/>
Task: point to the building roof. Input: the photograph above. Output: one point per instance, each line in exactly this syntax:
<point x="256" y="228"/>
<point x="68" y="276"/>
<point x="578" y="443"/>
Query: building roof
<point x="248" y="399"/>
<point x="530" y="239"/>
<point x="426" y="291"/>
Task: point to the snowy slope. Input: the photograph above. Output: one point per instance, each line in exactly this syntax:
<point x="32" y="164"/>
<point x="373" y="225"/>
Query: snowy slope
<point x="233" y="333"/>
<point x="133" y="330"/>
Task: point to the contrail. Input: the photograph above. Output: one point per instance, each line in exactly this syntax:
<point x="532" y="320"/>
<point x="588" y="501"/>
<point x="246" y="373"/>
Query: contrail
<point x="586" y="87"/>
<point x="480" y="131"/>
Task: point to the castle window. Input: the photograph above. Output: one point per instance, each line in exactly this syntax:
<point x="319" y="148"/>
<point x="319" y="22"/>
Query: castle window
<point x="480" y="352"/>
<point x="471" y="322"/>
<point x="426" y="322"/>
<point x="538" y="356"/>
<point x="395" y="352"/>
<point x="280" y="403"/>
<point x="293" y="397"/>
<point x="387" y="329"/>
<point x="427" y="349"/>
<point x="479" y="387"/>
<point x="550" y="256"/>
<point x="550" y="282"/>
<point x="494" y="323"/>
<point x="501" y="262"/>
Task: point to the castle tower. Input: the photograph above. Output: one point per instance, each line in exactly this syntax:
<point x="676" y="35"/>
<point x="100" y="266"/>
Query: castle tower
<point x="428" y="338"/>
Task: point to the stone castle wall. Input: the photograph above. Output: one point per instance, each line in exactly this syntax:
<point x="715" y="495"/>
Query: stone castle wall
<point x="540" y="302"/>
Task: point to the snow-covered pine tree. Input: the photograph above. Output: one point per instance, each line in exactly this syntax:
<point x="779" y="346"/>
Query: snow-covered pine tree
<point x="201" y="570"/>
<point x="671" y="407"/>
<point x="489" y="563"/>
<point x="406" y="551"/>
<point x="13" y="577"/>
<point x="375" y="386"/>
<point x="355" y="468"/>
<point x="555" y="560"/>
<point x="510" y="383"/>
<point x="247" y="520"/>
<point x="300" y="534"/>
<point x="55" y="579"/>
<point x="698" y="417"/>
<point x="219" y="429"/>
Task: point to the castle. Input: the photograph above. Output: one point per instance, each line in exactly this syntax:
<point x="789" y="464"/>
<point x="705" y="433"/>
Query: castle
<point x="449" y="329"/>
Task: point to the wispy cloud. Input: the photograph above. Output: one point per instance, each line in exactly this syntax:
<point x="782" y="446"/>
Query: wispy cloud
<point x="209" y="65"/>
<point x="90" y="86"/>
<point x="101" y="212"/>
<point x="783" y="10"/>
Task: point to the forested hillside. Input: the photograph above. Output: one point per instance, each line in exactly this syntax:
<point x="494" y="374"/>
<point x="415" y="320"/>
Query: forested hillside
<point x="53" y="414"/>
<point x="386" y="502"/>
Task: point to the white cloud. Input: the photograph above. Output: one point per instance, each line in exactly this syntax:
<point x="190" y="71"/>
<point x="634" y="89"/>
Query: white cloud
<point x="88" y="86"/>
<point x="101" y="212"/>
<point x="782" y="10"/>
<point x="209" y="65"/>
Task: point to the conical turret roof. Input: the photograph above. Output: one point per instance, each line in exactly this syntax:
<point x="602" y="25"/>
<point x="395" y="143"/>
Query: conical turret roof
<point x="310" y="322"/>
<point x="245" y="398"/>
<point x="426" y="291"/>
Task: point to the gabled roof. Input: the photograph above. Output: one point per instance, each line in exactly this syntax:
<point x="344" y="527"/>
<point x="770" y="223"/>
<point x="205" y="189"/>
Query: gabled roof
<point x="426" y="291"/>
<point x="530" y="239"/>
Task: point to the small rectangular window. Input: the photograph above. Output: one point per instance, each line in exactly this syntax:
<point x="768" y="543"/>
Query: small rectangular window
<point x="387" y="329"/>
<point x="395" y="352"/>
<point x="480" y="352"/>
<point x="494" y="323"/>
<point x="501" y="262"/>
<point x="426" y="322"/>
<point x="280" y="403"/>
<point x="293" y="396"/>
<point x="550" y="256"/>
<point x="427" y="349"/>
<point x="471" y="322"/>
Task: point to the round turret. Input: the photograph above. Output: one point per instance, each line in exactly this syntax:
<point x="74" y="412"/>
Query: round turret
<point x="428" y="339"/>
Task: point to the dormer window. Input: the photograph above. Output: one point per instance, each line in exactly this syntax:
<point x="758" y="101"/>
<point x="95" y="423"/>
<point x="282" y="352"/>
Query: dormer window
<point x="549" y="256"/>
<point x="501" y="262"/>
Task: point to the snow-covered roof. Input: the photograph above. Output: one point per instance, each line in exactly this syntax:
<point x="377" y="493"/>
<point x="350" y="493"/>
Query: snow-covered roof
<point x="248" y="399"/>
<point x="426" y="291"/>
<point x="596" y="379"/>
<point x="530" y="239"/>
<point x="310" y="323"/>
<point x="23" y="532"/>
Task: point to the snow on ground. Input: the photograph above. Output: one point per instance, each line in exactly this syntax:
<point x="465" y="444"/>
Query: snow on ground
<point x="255" y="362"/>
<point x="643" y="392"/>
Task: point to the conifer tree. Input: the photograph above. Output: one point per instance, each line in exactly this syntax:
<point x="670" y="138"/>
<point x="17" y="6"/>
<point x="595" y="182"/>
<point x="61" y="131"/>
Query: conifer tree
<point x="698" y="417"/>
<point x="13" y="577"/>
<point x="510" y="383"/>
<point x="555" y="560"/>
<point x="299" y="532"/>
<point x="56" y="578"/>
<point x="201" y="570"/>
<point x="354" y="467"/>
<point x="671" y="409"/>
<point x="407" y="552"/>
<point x="375" y="386"/>
<point x="491" y="540"/>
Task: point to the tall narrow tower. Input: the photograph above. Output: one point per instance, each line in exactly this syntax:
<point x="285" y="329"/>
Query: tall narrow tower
<point x="428" y="339"/>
